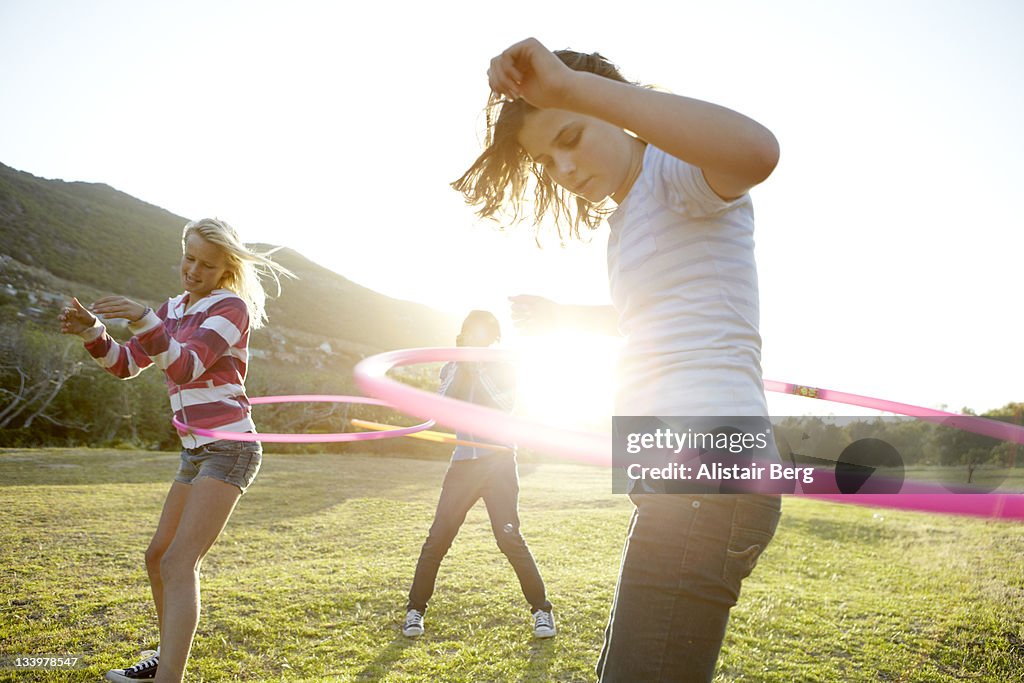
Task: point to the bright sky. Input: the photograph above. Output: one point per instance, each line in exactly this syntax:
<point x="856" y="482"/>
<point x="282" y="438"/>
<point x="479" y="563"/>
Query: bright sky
<point x="889" y="238"/>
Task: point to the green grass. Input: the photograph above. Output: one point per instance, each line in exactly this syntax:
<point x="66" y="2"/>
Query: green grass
<point x="310" y="577"/>
<point x="985" y="478"/>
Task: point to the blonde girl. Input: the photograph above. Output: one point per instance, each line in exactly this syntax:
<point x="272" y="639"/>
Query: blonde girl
<point x="200" y="340"/>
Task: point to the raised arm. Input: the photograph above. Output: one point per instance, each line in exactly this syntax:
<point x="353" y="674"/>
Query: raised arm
<point x="121" y="360"/>
<point x="536" y="315"/>
<point x="734" y="152"/>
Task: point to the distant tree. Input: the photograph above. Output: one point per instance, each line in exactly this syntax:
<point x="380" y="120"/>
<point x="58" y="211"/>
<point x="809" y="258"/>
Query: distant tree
<point x="973" y="459"/>
<point x="960" y="447"/>
<point x="36" y="366"/>
<point x="912" y="438"/>
<point x="1008" y="452"/>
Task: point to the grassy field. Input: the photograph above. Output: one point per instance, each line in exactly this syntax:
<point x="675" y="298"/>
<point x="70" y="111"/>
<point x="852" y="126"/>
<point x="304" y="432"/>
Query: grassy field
<point x="310" y="578"/>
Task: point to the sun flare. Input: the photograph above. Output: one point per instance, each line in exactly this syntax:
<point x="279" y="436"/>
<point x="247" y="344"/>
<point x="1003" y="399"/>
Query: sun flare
<point x="568" y="379"/>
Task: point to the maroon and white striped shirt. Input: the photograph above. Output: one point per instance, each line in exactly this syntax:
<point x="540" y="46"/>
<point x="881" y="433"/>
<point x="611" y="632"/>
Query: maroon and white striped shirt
<point x="203" y="352"/>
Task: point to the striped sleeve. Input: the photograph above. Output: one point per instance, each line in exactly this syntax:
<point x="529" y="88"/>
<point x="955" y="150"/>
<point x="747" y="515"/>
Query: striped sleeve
<point x="226" y="322"/>
<point x="121" y="360"/>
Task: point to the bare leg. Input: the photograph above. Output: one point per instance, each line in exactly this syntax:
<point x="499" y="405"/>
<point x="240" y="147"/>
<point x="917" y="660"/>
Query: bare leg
<point x="165" y="530"/>
<point x="207" y="510"/>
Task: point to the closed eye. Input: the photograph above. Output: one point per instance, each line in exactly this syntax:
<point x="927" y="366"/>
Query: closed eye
<point x="568" y="138"/>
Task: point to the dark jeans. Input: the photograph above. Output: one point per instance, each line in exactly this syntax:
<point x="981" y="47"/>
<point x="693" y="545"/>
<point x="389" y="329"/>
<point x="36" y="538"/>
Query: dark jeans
<point x="682" y="565"/>
<point x="495" y="479"/>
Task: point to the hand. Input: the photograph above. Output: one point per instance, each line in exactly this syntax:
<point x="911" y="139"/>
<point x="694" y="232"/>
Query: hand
<point x="119" y="307"/>
<point x="534" y="314"/>
<point x="75" y="319"/>
<point x="531" y="71"/>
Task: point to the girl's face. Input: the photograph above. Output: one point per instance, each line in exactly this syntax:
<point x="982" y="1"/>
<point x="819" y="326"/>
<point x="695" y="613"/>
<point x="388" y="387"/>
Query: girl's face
<point x="203" y="266"/>
<point x="587" y="156"/>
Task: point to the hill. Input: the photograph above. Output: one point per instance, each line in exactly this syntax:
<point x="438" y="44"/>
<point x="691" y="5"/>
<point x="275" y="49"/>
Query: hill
<point x="94" y="237"/>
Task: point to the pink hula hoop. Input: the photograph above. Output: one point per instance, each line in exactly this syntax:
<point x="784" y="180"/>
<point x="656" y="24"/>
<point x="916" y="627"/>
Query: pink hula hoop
<point x="371" y="377"/>
<point x="968" y="423"/>
<point x="305" y="438"/>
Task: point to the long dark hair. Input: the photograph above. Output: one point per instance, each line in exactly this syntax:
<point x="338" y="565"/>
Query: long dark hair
<point x="497" y="181"/>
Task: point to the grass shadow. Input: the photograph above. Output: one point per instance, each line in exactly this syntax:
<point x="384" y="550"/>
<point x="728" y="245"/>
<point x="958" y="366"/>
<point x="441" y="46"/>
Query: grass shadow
<point x="542" y="655"/>
<point x="308" y="484"/>
<point x="385" y="659"/>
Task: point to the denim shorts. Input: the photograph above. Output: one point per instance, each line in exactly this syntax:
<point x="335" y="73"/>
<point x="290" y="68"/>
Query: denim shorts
<point x="234" y="462"/>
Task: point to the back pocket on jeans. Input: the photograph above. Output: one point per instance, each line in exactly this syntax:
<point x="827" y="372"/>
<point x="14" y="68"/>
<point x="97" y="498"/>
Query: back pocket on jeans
<point x="745" y="548"/>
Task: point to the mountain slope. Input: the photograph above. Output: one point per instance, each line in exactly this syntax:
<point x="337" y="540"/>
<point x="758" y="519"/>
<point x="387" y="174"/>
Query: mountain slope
<point x="112" y="242"/>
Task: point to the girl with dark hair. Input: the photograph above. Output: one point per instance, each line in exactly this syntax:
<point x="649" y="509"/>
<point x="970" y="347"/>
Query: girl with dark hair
<point x="671" y="175"/>
<point x="479" y="472"/>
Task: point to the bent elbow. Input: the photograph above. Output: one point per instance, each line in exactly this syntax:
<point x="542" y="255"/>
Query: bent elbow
<point x="766" y="155"/>
<point x="182" y="373"/>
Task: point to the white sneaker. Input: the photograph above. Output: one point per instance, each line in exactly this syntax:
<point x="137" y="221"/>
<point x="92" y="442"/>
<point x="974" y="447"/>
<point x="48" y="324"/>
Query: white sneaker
<point x="413" y="626"/>
<point x="543" y="624"/>
<point x="140" y="672"/>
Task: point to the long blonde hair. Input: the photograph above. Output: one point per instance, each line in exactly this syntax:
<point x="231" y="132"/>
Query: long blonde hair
<point x="245" y="268"/>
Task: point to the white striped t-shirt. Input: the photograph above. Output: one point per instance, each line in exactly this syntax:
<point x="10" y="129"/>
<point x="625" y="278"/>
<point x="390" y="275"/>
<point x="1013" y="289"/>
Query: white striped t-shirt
<point x="683" y="279"/>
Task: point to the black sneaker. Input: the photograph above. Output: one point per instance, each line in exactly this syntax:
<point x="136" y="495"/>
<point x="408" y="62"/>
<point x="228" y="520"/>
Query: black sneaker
<point x="144" y="670"/>
<point x="543" y="624"/>
<point x="413" y="626"/>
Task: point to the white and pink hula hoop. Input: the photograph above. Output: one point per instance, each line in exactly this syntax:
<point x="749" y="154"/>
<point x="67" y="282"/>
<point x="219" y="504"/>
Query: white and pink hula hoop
<point x="371" y="377"/>
<point x="306" y="438"/>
